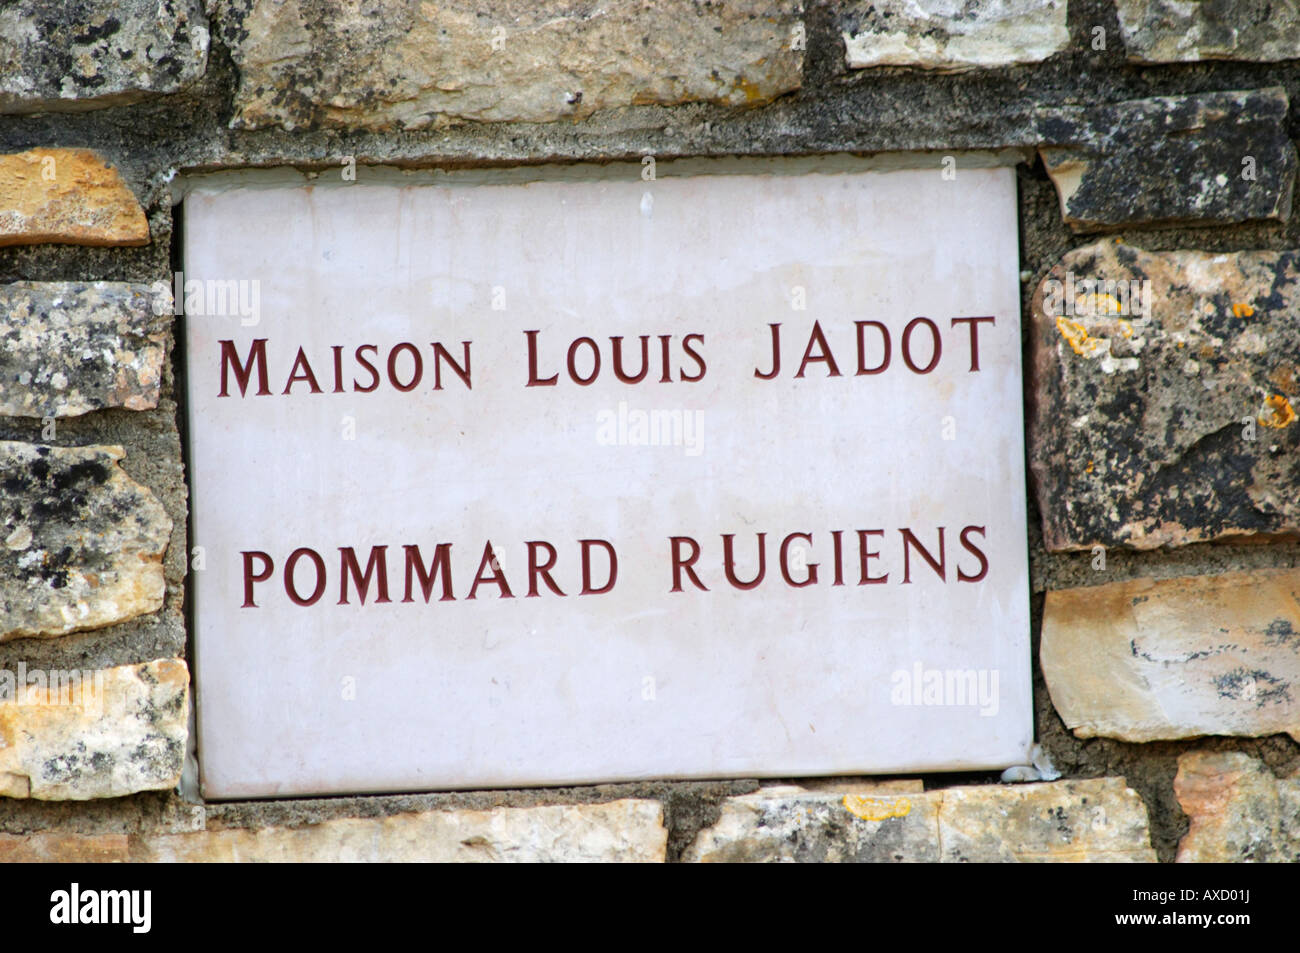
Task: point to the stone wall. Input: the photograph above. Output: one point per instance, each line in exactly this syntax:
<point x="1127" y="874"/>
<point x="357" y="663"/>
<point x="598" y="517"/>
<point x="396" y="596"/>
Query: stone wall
<point x="1157" y="149"/>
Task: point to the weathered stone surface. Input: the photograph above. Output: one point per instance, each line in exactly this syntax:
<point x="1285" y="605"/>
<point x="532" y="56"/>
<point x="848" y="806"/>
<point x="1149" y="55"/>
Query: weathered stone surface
<point x="1175" y="31"/>
<point x="1215" y="157"/>
<point x="70" y="196"/>
<point x="62" y="848"/>
<point x="1150" y="660"/>
<point x="1172" y="429"/>
<point x="1093" y="820"/>
<point x="64" y="57"/>
<point x="616" y="831"/>
<point x="72" y="736"/>
<point x="1099" y="820"/>
<point x="1238" y="810"/>
<point x="790" y="825"/>
<point x="82" y="542"/>
<point x="333" y="63"/>
<point x="67" y="348"/>
<point x="953" y="35"/>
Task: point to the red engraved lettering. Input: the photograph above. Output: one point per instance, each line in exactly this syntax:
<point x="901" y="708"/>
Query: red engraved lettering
<point x="489" y="561"/>
<point x="533" y="379"/>
<point x="865" y="556"/>
<point x="417" y="370"/>
<point x="729" y="562"/>
<point x="250" y="577"/>
<point x="587" y="588"/>
<point x="686" y="565"/>
<point x="811" y="578"/>
<point x="823" y="356"/>
<point x="230" y="362"/>
<point x="441" y="568"/>
<point x="862" y="348"/>
<point x="290" y="583"/>
<point x="910" y="541"/>
<point x="976" y="552"/>
<point x="974" y="337"/>
<point x="907" y="345"/>
<point x="376" y="566"/>
<point x="538" y="570"/>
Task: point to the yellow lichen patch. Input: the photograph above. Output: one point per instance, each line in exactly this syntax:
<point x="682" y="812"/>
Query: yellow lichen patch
<point x="1100" y="304"/>
<point x="1127" y="328"/>
<point x="749" y="90"/>
<point x="877" y="808"/>
<point x="1077" y="335"/>
<point x="1088" y="468"/>
<point x="1277" y="412"/>
<point x="1242" y="310"/>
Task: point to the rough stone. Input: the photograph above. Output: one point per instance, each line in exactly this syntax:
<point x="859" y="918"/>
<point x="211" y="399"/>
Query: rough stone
<point x="788" y="824"/>
<point x="67" y="348"/>
<point x="1175" y="31"/>
<point x="82" y="542"/>
<point x="1238" y="810"/>
<point x="1093" y="820"/>
<point x="57" y="848"/>
<point x="953" y="35"/>
<point x="1175" y="428"/>
<point x="1215" y="157"/>
<point x="60" y="57"/>
<point x="70" y="196"/>
<point x="332" y="63"/>
<point x="73" y="735"/>
<point x="615" y="831"/>
<point x="1100" y="820"/>
<point x="1152" y="660"/>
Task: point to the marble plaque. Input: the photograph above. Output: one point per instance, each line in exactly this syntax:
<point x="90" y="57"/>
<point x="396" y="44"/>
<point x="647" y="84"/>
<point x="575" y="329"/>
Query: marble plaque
<point x="593" y="477"/>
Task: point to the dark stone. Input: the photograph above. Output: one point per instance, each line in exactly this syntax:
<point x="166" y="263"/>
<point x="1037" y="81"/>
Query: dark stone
<point x="1174" y="31"/>
<point x="1171" y="160"/>
<point x="65" y="57"/>
<point x="1171" y="427"/>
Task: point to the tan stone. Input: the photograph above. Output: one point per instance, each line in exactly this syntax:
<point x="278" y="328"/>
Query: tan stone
<point x="76" y="735"/>
<point x="335" y="64"/>
<point x="1237" y="810"/>
<point x="51" y="848"/>
<point x="1092" y="820"/>
<point x="1149" y="660"/>
<point x="788" y="825"/>
<point x="71" y="196"/>
<point x="83" y="542"/>
<point x="1099" y="820"/>
<point x="617" y="831"/>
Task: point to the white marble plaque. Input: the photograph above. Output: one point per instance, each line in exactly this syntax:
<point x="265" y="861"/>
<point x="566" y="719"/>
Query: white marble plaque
<point x="469" y="456"/>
